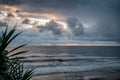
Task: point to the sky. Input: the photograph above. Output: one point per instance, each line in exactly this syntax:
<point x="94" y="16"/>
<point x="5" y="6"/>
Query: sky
<point x="64" y="21"/>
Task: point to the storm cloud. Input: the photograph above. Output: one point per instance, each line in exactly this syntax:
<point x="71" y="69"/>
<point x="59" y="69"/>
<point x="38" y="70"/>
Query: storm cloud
<point x="102" y="16"/>
<point x="110" y="30"/>
<point x="10" y="2"/>
<point x="75" y="26"/>
<point x="89" y="18"/>
<point x="52" y="27"/>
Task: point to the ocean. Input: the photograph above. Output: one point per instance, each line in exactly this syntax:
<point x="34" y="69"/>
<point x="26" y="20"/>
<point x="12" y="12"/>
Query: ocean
<point x="61" y="59"/>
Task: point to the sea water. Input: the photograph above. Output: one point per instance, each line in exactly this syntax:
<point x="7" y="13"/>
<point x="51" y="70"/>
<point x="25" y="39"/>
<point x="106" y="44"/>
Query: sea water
<point x="58" y="59"/>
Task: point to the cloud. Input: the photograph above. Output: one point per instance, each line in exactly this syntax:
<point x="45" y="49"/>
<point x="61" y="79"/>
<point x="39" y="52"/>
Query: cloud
<point x="109" y="30"/>
<point x="26" y="21"/>
<point x="103" y="14"/>
<point x="10" y="15"/>
<point x="52" y="27"/>
<point x="95" y="18"/>
<point x="75" y="26"/>
<point x="9" y="2"/>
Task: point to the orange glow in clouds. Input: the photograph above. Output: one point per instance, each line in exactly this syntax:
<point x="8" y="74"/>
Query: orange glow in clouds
<point x="47" y="15"/>
<point x="11" y="8"/>
<point x="50" y="16"/>
<point x="41" y="18"/>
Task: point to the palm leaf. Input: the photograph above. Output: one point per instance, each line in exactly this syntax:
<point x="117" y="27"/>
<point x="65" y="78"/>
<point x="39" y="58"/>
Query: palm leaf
<point x="14" y="68"/>
<point x="17" y="48"/>
<point x="18" y="53"/>
<point x="17" y="58"/>
<point x="28" y="74"/>
<point x="3" y="39"/>
<point x="13" y="38"/>
<point x="4" y="32"/>
<point x="7" y="37"/>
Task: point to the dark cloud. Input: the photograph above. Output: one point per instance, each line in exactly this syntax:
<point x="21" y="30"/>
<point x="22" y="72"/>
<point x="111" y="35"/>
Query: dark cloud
<point x="76" y="26"/>
<point x="85" y="10"/>
<point x="3" y="24"/>
<point x="110" y="30"/>
<point x="26" y="21"/>
<point x="52" y="27"/>
<point x="10" y="2"/>
<point x="10" y="15"/>
<point x="73" y="24"/>
<point x="66" y="5"/>
<point x="104" y="14"/>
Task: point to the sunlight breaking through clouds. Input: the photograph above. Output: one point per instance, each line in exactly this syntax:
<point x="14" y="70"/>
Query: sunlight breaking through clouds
<point x="77" y="20"/>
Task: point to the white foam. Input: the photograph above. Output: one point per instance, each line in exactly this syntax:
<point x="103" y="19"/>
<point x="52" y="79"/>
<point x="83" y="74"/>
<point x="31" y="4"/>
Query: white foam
<point x="59" y="69"/>
<point x="70" y="57"/>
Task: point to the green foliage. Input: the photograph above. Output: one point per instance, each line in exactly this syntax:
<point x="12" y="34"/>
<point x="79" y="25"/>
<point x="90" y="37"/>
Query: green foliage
<point x="11" y="67"/>
<point x="16" y="67"/>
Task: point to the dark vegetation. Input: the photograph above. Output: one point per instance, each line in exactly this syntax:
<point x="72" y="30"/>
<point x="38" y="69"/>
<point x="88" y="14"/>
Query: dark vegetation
<point x="11" y="66"/>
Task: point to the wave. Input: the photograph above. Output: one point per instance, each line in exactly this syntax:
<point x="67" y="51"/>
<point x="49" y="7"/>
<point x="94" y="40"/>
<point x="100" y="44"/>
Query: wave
<point x="50" y="64"/>
<point x="61" y="69"/>
<point x="69" y="58"/>
<point x="70" y="64"/>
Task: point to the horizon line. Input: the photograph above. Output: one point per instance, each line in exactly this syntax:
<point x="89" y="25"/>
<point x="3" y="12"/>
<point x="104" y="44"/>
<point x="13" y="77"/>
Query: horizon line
<point x="98" y="44"/>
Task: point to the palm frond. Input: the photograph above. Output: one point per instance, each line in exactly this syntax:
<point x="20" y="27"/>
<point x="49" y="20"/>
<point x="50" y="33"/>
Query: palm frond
<point x="17" y="48"/>
<point x="7" y="37"/>
<point x="18" y="58"/>
<point x="28" y="75"/>
<point x="16" y="69"/>
<point x="13" y="38"/>
<point x="18" y="53"/>
<point x="19" y="73"/>
<point x="12" y="62"/>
